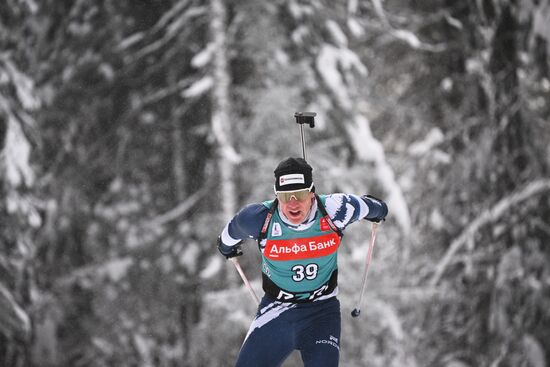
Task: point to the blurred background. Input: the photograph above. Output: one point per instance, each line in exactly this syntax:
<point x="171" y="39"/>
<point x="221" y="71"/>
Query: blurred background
<point x="131" y="131"/>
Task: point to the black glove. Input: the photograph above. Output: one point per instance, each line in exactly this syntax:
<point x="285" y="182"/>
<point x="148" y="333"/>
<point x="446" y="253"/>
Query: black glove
<point x="377" y="209"/>
<point x="229" y="251"/>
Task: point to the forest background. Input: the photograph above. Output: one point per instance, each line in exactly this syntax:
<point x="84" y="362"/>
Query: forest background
<point x="131" y="131"/>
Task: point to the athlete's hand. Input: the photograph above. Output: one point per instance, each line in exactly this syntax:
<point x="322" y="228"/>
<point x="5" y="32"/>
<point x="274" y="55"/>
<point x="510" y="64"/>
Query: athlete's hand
<point x="229" y="251"/>
<point x="377" y="209"/>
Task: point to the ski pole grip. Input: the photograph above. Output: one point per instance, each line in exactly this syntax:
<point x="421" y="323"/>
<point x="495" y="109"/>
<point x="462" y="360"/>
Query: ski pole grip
<point x="305" y="118"/>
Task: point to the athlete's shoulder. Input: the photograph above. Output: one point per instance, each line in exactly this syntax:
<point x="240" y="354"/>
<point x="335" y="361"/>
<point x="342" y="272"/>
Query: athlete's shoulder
<point x="338" y="200"/>
<point x="248" y="222"/>
<point x="254" y="210"/>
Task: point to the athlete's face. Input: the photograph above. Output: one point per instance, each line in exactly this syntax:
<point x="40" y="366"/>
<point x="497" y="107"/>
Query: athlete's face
<point x="297" y="208"/>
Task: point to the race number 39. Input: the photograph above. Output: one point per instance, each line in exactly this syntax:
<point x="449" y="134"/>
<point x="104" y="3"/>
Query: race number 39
<point x="301" y="272"/>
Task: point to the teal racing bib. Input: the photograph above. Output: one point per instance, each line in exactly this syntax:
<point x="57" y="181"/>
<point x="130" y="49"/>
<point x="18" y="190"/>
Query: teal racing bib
<point x="299" y="266"/>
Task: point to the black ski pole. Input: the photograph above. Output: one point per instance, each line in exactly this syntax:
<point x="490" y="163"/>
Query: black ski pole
<point x="301" y="119"/>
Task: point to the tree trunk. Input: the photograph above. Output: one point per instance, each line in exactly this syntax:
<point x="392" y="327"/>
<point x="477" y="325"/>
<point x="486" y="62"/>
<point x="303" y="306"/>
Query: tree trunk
<point x="178" y="162"/>
<point x="511" y="140"/>
<point x="18" y="219"/>
<point x="227" y="157"/>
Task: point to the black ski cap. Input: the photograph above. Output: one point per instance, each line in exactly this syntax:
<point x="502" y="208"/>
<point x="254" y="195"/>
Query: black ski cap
<point x="293" y="174"/>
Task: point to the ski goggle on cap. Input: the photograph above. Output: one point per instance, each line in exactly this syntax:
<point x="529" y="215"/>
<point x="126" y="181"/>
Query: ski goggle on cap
<point x="299" y="195"/>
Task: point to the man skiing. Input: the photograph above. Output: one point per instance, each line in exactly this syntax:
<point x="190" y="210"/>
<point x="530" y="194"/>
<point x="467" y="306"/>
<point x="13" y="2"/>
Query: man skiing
<point x="298" y="234"/>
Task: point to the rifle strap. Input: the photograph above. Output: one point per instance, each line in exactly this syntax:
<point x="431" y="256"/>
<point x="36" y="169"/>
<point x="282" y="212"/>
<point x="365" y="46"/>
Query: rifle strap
<point x="323" y="210"/>
<point x="263" y="231"/>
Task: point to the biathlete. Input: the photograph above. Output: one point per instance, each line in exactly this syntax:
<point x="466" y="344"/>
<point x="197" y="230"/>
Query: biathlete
<point x="299" y="234"/>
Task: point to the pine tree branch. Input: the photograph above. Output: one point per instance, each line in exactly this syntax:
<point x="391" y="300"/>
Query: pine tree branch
<point x="404" y="35"/>
<point x="181" y="209"/>
<point x="370" y="149"/>
<point x="173" y="26"/>
<point x="14" y="321"/>
<point x="490" y="215"/>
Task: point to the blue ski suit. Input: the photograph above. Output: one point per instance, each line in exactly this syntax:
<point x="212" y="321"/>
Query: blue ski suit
<point x="299" y="310"/>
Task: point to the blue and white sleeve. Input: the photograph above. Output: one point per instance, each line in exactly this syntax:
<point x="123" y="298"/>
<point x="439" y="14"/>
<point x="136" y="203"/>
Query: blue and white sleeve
<point x="247" y="223"/>
<point x="345" y="209"/>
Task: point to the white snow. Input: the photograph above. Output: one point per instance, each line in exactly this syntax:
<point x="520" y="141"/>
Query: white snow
<point x="333" y="63"/>
<point x="116" y="269"/>
<point x="370" y="150"/>
<point x="198" y="88"/>
<point x="15" y="203"/>
<point x="299" y="34"/>
<point x="31" y="4"/>
<point x="281" y="57"/>
<point x="432" y="139"/>
<point x="437" y="221"/>
<point x="447" y="84"/>
<point x="107" y="71"/>
<point x="17" y="153"/>
<point x="144" y="347"/>
<point x="298" y="11"/>
<point x="454" y="22"/>
<point x="337" y="34"/>
<point x="408" y="37"/>
<point x="339" y="68"/>
<point x="355" y="28"/>
<point x="212" y="268"/>
<point x="24" y="87"/>
<point x="16" y="311"/>
<point x="130" y="40"/>
<point x="203" y="58"/>
<point x="188" y="257"/>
